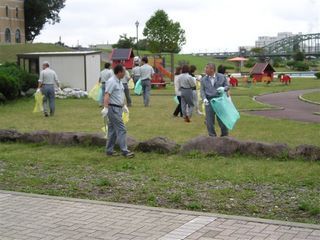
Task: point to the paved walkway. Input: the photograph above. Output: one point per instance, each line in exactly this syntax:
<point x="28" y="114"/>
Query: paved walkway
<point x="29" y="216"/>
<point x="293" y="108"/>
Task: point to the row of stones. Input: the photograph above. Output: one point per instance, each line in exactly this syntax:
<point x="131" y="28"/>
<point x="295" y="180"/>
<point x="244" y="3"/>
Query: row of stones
<point x="225" y="146"/>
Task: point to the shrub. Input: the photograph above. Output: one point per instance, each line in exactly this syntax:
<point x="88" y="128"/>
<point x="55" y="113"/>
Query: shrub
<point x="317" y="75"/>
<point x="300" y="66"/>
<point x="9" y="86"/>
<point x="14" y="80"/>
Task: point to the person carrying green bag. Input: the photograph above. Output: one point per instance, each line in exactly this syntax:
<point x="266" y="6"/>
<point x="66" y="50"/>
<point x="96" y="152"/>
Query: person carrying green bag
<point x="212" y="86"/>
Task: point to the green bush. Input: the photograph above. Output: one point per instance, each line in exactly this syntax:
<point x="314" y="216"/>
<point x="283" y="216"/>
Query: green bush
<point x="317" y="75"/>
<point x="9" y="86"/>
<point x="14" y="80"/>
<point x="300" y="66"/>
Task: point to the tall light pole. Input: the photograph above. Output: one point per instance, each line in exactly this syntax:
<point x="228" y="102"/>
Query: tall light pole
<point x="137" y="26"/>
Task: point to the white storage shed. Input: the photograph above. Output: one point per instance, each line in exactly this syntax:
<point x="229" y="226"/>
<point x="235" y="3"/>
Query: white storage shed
<point x="79" y="69"/>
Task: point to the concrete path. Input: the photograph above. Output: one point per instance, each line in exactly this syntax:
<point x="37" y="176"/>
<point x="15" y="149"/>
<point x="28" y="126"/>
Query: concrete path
<point x="29" y="216"/>
<point x="293" y="108"/>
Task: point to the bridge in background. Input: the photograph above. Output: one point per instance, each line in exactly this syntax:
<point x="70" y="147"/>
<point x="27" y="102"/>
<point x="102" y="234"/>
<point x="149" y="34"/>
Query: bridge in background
<point x="286" y="47"/>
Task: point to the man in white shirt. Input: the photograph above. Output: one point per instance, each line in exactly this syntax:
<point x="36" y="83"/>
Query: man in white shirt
<point x="48" y="78"/>
<point x="135" y="73"/>
<point x="146" y="73"/>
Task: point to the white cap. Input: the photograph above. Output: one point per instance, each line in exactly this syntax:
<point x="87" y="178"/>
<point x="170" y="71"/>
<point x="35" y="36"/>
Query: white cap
<point x="46" y="63"/>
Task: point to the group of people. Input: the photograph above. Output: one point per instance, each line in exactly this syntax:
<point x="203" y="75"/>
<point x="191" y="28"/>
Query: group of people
<point x="114" y="84"/>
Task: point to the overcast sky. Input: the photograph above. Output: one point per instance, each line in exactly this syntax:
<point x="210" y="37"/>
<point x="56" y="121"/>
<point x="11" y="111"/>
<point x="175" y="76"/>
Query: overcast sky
<point x="210" y="25"/>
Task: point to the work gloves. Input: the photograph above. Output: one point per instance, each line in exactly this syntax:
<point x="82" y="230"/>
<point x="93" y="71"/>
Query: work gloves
<point x="125" y="109"/>
<point x="205" y="101"/>
<point x="104" y="112"/>
<point x="220" y="89"/>
<point x="38" y="90"/>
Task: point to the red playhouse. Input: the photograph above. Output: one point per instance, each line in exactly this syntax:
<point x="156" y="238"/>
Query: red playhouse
<point x="262" y="72"/>
<point x="122" y="56"/>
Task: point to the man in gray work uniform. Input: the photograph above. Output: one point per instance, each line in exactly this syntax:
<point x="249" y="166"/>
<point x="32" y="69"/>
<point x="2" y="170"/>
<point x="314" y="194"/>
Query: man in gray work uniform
<point x="48" y="78"/>
<point x="105" y="74"/>
<point x="213" y="85"/>
<point x="146" y="72"/>
<point x="113" y="108"/>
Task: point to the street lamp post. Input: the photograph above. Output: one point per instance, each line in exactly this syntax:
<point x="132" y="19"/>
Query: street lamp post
<point x="137" y="26"/>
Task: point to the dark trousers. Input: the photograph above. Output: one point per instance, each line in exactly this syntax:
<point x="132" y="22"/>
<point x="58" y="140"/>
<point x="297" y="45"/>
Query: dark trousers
<point x="210" y="120"/>
<point x="178" y="108"/>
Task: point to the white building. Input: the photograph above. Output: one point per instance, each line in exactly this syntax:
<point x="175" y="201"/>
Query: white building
<point x="74" y="69"/>
<point x="266" y="40"/>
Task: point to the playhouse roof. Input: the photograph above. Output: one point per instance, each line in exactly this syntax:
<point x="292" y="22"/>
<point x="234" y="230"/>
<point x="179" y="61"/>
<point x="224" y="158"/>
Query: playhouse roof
<point x="260" y="68"/>
<point x="122" y="54"/>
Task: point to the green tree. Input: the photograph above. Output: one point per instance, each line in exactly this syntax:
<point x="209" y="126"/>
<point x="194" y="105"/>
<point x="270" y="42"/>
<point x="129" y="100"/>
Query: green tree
<point x="125" y="42"/>
<point x="164" y="35"/>
<point x="39" y="12"/>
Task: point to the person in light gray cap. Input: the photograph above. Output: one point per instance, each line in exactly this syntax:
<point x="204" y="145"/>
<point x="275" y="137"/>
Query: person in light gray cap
<point x="135" y="73"/>
<point x="113" y="108"/>
<point x="48" y="78"/>
<point x="146" y="73"/>
<point x="213" y="85"/>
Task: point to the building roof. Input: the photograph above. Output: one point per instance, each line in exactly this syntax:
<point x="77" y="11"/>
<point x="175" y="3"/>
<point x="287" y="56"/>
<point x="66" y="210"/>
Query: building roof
<point x="260" y="68"/>
<point x="122" y="54"/>
<point x="73" y="53"/>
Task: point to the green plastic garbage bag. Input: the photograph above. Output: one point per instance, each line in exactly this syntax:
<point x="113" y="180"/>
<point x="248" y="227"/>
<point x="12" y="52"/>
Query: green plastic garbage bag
<point x="176" y="100"/>
<point x="138" y="87"/>
<point x="95" y="92"/>
<point x="38" y="107"/>
<point x="225" y="110"/>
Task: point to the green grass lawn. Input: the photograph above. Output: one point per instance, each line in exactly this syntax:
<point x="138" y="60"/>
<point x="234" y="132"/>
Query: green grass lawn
<point x="248" y="186"/>
<point x="84" y="115"/>
<point x="8" y="53"/>
<point x="314" y="96"/>
<point x="268" y="188"/>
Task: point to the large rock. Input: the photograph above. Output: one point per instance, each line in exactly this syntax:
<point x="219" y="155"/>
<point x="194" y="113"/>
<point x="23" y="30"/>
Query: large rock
<point x="36" y="136"/>
<point x="261" y="149"/>
<point x="159" y="145"/>
<point x="308" y="152"/>
<point x="9" y="135"/>
<point x="212" y="145"/>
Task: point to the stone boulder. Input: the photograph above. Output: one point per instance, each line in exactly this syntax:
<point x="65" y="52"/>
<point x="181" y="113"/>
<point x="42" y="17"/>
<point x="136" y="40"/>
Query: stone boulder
<point x="7" y="135"/>
<point x="260" y="149"/>
<point x="212" y="145"/>
<point x="36" y="137"/>
<point x="159" y="145"/>
<point x="307" y="152"/>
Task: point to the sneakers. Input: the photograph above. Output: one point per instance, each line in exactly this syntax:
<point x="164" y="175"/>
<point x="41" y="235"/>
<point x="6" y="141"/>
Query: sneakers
<point x="112" y="154"/>
<point x="115" y="154"/>
<point x="128" y="155"/>
<point x="46" y="114"/>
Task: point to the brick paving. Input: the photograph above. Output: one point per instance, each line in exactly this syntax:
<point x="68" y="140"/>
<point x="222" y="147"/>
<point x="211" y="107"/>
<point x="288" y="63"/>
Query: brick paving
<point x="30" y="216"/>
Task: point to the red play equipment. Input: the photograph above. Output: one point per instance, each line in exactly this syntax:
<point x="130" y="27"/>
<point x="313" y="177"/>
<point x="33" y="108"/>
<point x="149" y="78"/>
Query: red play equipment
<point x="158" y="63"/>
<point x="233" y="81"/>
<point x="285" y="79"/>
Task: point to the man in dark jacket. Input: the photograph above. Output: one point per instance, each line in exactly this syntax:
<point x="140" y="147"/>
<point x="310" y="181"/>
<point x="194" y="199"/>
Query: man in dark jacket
<point x="212" y="85"/>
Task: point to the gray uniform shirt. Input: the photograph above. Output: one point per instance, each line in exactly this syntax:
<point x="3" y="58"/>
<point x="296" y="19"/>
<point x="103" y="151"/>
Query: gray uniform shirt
<point x="115" y="88"/>
<point x="48" y="76"/>
<point x="146" y="72"/>
<point x="135" y="72"/>
<point x="105" y="74"/>
<point x="126" y="77"/>
<point x="186" y="81"/>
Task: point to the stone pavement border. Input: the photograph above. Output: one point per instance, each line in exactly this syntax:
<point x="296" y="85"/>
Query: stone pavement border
<point x="33" y="216"/>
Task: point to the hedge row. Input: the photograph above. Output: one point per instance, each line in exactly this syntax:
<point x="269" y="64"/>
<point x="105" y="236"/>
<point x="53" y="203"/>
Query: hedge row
<point x="14" y="80"/>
